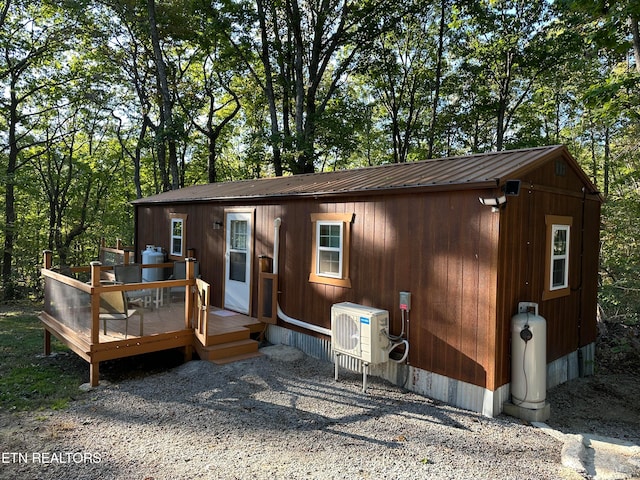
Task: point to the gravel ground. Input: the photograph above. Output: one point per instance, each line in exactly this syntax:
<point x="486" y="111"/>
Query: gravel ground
<point x="277" y="416"/>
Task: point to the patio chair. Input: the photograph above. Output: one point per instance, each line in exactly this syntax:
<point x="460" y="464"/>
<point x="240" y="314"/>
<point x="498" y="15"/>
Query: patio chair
<point x="114" y="306"/>
<point x="132" y="273"/>
<point x="180" y="273"/>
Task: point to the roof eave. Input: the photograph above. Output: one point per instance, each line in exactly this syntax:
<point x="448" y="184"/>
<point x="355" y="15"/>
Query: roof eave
<point x="436" y="187"/>
<point x="590" y="188"/>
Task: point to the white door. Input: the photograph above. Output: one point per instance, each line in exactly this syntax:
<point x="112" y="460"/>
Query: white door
<point x="239" y="252"/>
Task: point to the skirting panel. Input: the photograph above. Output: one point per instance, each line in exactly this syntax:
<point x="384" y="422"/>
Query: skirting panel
<point x="438" y="387"/>
<point x="432" y="385"/>
<point x="577" y="364"/>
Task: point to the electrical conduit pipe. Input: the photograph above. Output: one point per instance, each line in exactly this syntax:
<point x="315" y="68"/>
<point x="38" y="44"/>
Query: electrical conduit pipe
<point x="399" y="340"/>
<point x="283" y="316"/>
<point x="406" y="351"/>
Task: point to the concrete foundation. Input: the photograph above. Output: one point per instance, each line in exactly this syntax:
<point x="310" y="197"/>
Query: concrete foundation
<point x="528" y="414"/>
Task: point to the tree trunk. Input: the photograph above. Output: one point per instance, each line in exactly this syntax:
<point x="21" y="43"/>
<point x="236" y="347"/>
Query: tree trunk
<point x="167" y="131"/>
<point x="9" y="195"/>
<point x="607" y="158"/>
<point x="503" y="101"/>
<point x="594" y="157"/>
<point x="138" y="156"/>
<point x="269" y="91"/>
<point x="438" y="79"/>
<point x="161" y="152"/>
<point x="635" y="32"/>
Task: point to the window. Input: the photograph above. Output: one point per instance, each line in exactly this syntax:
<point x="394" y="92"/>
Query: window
<point x="330" y="253"/>
<point x="557" y="257"/>
<point x="177" y="236"/>
<point x="238" y="243"/>
<point x="329" y="244"/>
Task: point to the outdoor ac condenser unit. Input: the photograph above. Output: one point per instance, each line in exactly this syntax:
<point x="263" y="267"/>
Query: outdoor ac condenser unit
<point x="360" y="332"/>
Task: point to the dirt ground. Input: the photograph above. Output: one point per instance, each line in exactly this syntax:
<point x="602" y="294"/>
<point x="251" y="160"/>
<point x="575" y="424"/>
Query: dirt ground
<point x="606" y="403"/>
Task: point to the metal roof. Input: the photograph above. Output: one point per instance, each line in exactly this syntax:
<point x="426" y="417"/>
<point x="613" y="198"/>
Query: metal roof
<point x="485" y="170"/>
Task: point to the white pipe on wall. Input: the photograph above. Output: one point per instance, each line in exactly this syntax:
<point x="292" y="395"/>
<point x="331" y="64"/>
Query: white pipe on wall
<point x="283" y="316"/>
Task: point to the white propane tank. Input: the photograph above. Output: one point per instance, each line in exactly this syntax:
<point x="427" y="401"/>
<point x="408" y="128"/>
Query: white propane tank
<point x="528" y="357"/>
<point x="151" y="255"/>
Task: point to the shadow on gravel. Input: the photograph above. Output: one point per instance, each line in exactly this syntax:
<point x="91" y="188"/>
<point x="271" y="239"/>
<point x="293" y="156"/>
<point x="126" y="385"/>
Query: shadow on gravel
<point x="262" y="395"/>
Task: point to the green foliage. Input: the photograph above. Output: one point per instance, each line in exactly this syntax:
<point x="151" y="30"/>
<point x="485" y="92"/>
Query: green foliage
<point x="620" y="258"/>
<point x="28" y="380"/>
<point x="349" y="88"/>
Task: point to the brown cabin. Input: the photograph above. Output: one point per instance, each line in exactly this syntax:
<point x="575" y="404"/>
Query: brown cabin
<point x="469" y="237"/>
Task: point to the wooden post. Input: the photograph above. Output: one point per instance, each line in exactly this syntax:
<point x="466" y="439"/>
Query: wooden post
<point x="190" y="274"/>
<point x="48" y="259"/>
<point x="126" y="259"/>
<point x="95" y="273"/>
<point x="266" y="263"/>
<point x="95" y="302"/>
<point x="188" y="353"/>
<point x="47" y="342"/>
<point x="190" y="267"/>
<point x="46" y="263"/>
<point x="94" y="376"/>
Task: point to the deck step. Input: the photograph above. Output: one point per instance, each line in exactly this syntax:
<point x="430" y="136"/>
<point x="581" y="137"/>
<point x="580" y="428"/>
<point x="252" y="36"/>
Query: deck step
<point x="234" y="334"/>
<point x="237" y="358"/>
<point x="226" y="350"/>
<point x="257" y="327"/>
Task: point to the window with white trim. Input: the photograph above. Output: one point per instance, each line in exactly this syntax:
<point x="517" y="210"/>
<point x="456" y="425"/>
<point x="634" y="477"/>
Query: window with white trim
<point x="557" y="256"/>
<point x="329" y="243"/>
<point x="177" y="234"/>
<point x="330" y="249"/>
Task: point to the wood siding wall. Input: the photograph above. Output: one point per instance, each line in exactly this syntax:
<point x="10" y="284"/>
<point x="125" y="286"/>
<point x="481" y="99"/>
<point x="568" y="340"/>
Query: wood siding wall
<point x="465" y="266"/>
<point x="398" y="243"/>
<point x="571" y="320"/>
<point x="409" y="243"/>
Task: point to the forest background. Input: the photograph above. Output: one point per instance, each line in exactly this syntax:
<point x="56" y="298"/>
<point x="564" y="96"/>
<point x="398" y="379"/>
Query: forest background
<point x="108" y="101"/>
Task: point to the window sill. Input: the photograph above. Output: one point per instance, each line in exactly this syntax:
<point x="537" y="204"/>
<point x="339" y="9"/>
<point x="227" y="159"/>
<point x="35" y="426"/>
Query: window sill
<point x="336" y="282"/>
<point x="551" y="294"/>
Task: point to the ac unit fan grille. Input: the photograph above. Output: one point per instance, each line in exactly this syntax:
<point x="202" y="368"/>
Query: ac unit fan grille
<point x="347" y="334"/>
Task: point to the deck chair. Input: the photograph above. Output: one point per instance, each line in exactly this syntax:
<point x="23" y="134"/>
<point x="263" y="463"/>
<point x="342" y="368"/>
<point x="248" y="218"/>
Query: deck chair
<point x="132" y="273"/>
<point x="180" y="273"/>
<point x="114" y="306"/>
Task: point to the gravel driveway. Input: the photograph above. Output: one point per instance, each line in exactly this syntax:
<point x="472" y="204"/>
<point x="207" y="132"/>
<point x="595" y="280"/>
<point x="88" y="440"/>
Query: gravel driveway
<point x="278" y="416"/>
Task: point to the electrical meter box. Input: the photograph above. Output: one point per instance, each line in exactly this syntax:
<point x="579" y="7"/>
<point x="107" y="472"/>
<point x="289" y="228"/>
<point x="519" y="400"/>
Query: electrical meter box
<point x="405" y="301"/>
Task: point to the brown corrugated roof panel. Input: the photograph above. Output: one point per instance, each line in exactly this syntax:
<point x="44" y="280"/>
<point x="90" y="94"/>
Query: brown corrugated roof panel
<point x="472" y="171"/>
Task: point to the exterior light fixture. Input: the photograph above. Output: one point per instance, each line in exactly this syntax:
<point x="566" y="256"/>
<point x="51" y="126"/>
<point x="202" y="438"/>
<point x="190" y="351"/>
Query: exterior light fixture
<point x="494" y="202"/>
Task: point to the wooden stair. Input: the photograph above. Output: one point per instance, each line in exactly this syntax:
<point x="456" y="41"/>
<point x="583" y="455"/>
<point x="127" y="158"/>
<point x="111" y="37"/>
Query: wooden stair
<point x="229" y="339"/>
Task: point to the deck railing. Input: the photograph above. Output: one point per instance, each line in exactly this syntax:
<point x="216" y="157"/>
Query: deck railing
<point x="118" y="255"/>
<point x="72" y="312"/>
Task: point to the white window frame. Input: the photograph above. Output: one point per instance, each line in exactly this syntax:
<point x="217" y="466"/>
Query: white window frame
<point x="563" y="256"/>
<point x="182" y="220"/>
<point x="320" y="249"/>
<point x="556" y="223"/>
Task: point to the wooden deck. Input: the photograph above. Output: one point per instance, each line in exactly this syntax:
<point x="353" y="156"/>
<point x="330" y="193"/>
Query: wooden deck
<point x="232" y="336"/>
<point x="74" y="312"/>
<point x="223" y="324"/>
<point x="154" y="321"/>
